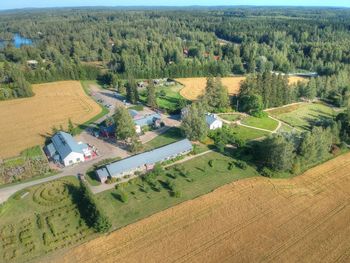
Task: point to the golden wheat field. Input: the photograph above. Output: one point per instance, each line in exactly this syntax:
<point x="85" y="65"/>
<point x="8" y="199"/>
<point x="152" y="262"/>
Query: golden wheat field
<point x="304" y="219"/>
<point x="26" y="122"/>
<point x="194" y="87"/>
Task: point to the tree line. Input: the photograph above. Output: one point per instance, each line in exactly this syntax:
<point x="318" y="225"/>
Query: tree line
<point x="175" y="43"/>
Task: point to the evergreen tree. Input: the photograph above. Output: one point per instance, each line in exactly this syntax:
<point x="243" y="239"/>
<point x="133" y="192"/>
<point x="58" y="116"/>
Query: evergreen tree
<point x="131" y="91"/>
<point x="125" y="126"/>
<point x="121" y="88"/>
<point x="70" y="127"/>
<point x="193" y="123"/>
<point x="151" y="96"/>
<point x="277" y="153"/>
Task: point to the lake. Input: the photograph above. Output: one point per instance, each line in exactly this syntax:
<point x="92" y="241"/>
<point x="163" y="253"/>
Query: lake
<point x="17" y="41"/>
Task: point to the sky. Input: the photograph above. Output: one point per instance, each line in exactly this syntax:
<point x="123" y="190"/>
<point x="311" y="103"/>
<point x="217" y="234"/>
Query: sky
<point x="12" y="4"/>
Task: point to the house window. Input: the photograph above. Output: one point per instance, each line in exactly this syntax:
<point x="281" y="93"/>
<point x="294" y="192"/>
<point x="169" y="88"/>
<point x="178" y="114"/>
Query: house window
<point x="78" y="159"/>
<point x="70" y="161"/>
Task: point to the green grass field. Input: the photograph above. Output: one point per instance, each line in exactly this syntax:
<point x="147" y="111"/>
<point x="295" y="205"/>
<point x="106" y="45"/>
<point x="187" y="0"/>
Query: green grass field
<point x="302" y="116"/>
<point x="231" y="117"/>
<point x="172" y="135"/>
<point x="170" y="101"/>
<point x="143" y="201"/>
<point x="39" y="220"/>
<point x="263" y="123"/>
<point x="247" y="134"/>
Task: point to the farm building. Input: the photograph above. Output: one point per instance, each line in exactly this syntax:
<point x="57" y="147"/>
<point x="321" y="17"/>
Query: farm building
<point x="213" y="122"/>
<point x="140" y="121"/>
<point x="144" y="161"/>
<point x="64" y="149"/>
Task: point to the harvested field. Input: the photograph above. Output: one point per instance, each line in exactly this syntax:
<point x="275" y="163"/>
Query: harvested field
<point x="194" y="87"/>
<point x="295" y="79"/>
<point x="304" y="219"/>
<point x="26" y="122"/>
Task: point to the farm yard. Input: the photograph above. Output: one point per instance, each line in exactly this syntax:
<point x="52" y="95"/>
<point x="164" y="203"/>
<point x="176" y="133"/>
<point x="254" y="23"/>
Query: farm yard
<point x="26" y="122"/>
<point x="252" y="220"/>
<point x="194" y="87"/>
<point x="303" y="115"/>
<point x="40" y="220"/>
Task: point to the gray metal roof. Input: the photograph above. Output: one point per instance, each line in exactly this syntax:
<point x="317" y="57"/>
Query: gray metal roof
<point x="65" y="144"/>
<point x="210" y="118"/>
<point x="146" y="158"/>
<point x="147" y="120"/>
<point x="51" y="149"/>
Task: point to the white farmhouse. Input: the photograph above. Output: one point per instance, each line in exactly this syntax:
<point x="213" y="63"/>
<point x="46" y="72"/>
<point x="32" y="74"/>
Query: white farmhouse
<point x="213" y="122"/>
<point x="64" y="149"/>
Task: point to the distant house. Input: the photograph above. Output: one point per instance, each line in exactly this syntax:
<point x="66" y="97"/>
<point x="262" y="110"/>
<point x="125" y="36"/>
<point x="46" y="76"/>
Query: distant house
<point x="213" y="122"/>
<point x="144" y="161"/>
<point x="64" y="149"/>
<point x="32" y="63"/>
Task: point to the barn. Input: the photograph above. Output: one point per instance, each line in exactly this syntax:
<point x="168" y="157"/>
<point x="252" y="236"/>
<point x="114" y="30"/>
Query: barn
<point x="144" y="161"/>
<point x="64" y="149"/>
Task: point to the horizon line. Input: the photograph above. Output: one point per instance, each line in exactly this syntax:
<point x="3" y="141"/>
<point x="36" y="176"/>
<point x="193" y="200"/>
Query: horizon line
<point x="172" y="6"/>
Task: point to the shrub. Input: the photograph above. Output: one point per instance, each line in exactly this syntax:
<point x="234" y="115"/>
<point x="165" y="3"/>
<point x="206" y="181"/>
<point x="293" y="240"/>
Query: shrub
<point x="177" y="193"/>
<point x="170" y="185"/>
<point x="123" y="196"/>
<point x="241" y="164"/>
<point x="211" y="163"/>
<point x="267" y="172"/>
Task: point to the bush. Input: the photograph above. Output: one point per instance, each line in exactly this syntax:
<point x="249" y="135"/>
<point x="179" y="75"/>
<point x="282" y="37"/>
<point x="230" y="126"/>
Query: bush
<point x="211" y="163"/>
<point x="170" y="185"/>
<point x="177" y="193"/>
<point x="123" y="196"/>
<point x="266" y="172"/>
<point x="241" y="164"/>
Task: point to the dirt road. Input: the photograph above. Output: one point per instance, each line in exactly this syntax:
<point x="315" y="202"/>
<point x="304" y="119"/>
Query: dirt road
<point x="305" y="219"/>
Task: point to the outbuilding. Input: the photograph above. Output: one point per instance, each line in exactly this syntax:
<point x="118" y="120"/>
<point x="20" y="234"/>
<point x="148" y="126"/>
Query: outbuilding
<point x="64" y="149"/>
<point x="144" y="161"/>
<point x="213" y="122"/>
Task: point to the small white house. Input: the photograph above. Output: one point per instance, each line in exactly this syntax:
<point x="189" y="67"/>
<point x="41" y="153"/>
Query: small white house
<point x="213" y="122"/>
<point x="64" y="149"/>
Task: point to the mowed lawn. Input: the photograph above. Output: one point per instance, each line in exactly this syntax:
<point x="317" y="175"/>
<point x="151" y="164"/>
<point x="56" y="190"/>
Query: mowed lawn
<point x="172" y="135"/>
<point x="26" y="122"/>
<point x="247" y="134"/>
<point x="170" y="101"/>
<point x="303" y="115"/>
<point x="201" y="178"/>
<point x="263" y="123"/>
<point x="231" y="116"/>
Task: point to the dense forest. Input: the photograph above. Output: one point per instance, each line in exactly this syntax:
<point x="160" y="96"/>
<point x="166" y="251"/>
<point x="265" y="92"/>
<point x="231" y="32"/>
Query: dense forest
<point x="84" y="43"/>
